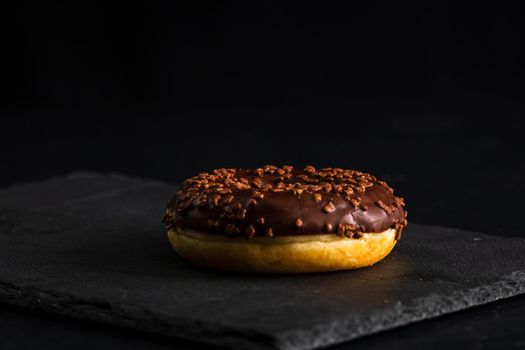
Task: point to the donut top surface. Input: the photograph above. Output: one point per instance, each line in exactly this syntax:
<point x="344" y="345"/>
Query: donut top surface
<point x="283" y="201"/>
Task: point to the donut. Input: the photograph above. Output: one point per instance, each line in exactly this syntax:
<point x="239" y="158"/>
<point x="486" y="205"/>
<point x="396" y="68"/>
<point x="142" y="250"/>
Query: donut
<point x="284" y="219"/>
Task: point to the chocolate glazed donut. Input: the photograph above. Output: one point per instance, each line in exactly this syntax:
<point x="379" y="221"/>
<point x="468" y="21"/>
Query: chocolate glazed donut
<point x="279" y="212"/>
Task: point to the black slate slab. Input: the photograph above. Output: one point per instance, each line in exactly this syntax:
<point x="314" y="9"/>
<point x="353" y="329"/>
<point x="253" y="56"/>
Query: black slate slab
<point x="92" y="246"/>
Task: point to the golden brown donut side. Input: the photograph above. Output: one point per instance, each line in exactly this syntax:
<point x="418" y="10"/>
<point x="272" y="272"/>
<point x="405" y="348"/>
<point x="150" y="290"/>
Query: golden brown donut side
<point x="286" y="254"/>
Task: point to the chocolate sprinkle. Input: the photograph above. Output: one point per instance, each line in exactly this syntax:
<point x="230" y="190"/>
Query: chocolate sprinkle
<point x="250" y="231"/>
<point x="279" y="200"/>
<point x="328" y="208"/>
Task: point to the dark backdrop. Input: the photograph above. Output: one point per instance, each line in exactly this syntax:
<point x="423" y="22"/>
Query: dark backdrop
<point x="427" y="97"/>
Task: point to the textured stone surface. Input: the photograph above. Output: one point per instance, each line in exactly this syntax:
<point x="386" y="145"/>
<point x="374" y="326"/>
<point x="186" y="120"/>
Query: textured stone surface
<point x="93" y="247"/>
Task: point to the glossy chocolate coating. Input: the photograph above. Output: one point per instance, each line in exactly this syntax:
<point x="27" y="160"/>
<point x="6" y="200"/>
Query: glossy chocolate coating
<point x="272" y="201"/>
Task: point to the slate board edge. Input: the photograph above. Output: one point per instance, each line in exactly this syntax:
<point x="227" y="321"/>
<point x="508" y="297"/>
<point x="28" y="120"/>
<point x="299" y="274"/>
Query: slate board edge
<point x="88" y="174"/>
<point x="131" y="317"/>
<point x="423" y="308"/>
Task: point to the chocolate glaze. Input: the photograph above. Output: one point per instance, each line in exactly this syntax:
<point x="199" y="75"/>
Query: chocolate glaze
<point x="272" y="201"/>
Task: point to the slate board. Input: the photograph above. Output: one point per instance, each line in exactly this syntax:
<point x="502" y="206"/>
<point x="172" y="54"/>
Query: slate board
<point x="92" y="246"/>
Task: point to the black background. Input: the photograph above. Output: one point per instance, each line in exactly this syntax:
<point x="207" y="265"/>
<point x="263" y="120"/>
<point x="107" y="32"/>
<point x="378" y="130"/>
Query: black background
<point x="428" y="97"/>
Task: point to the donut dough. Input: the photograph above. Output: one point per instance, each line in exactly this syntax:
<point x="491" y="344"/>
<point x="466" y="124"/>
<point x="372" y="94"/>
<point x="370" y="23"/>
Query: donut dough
<point x="283" y="254"/>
